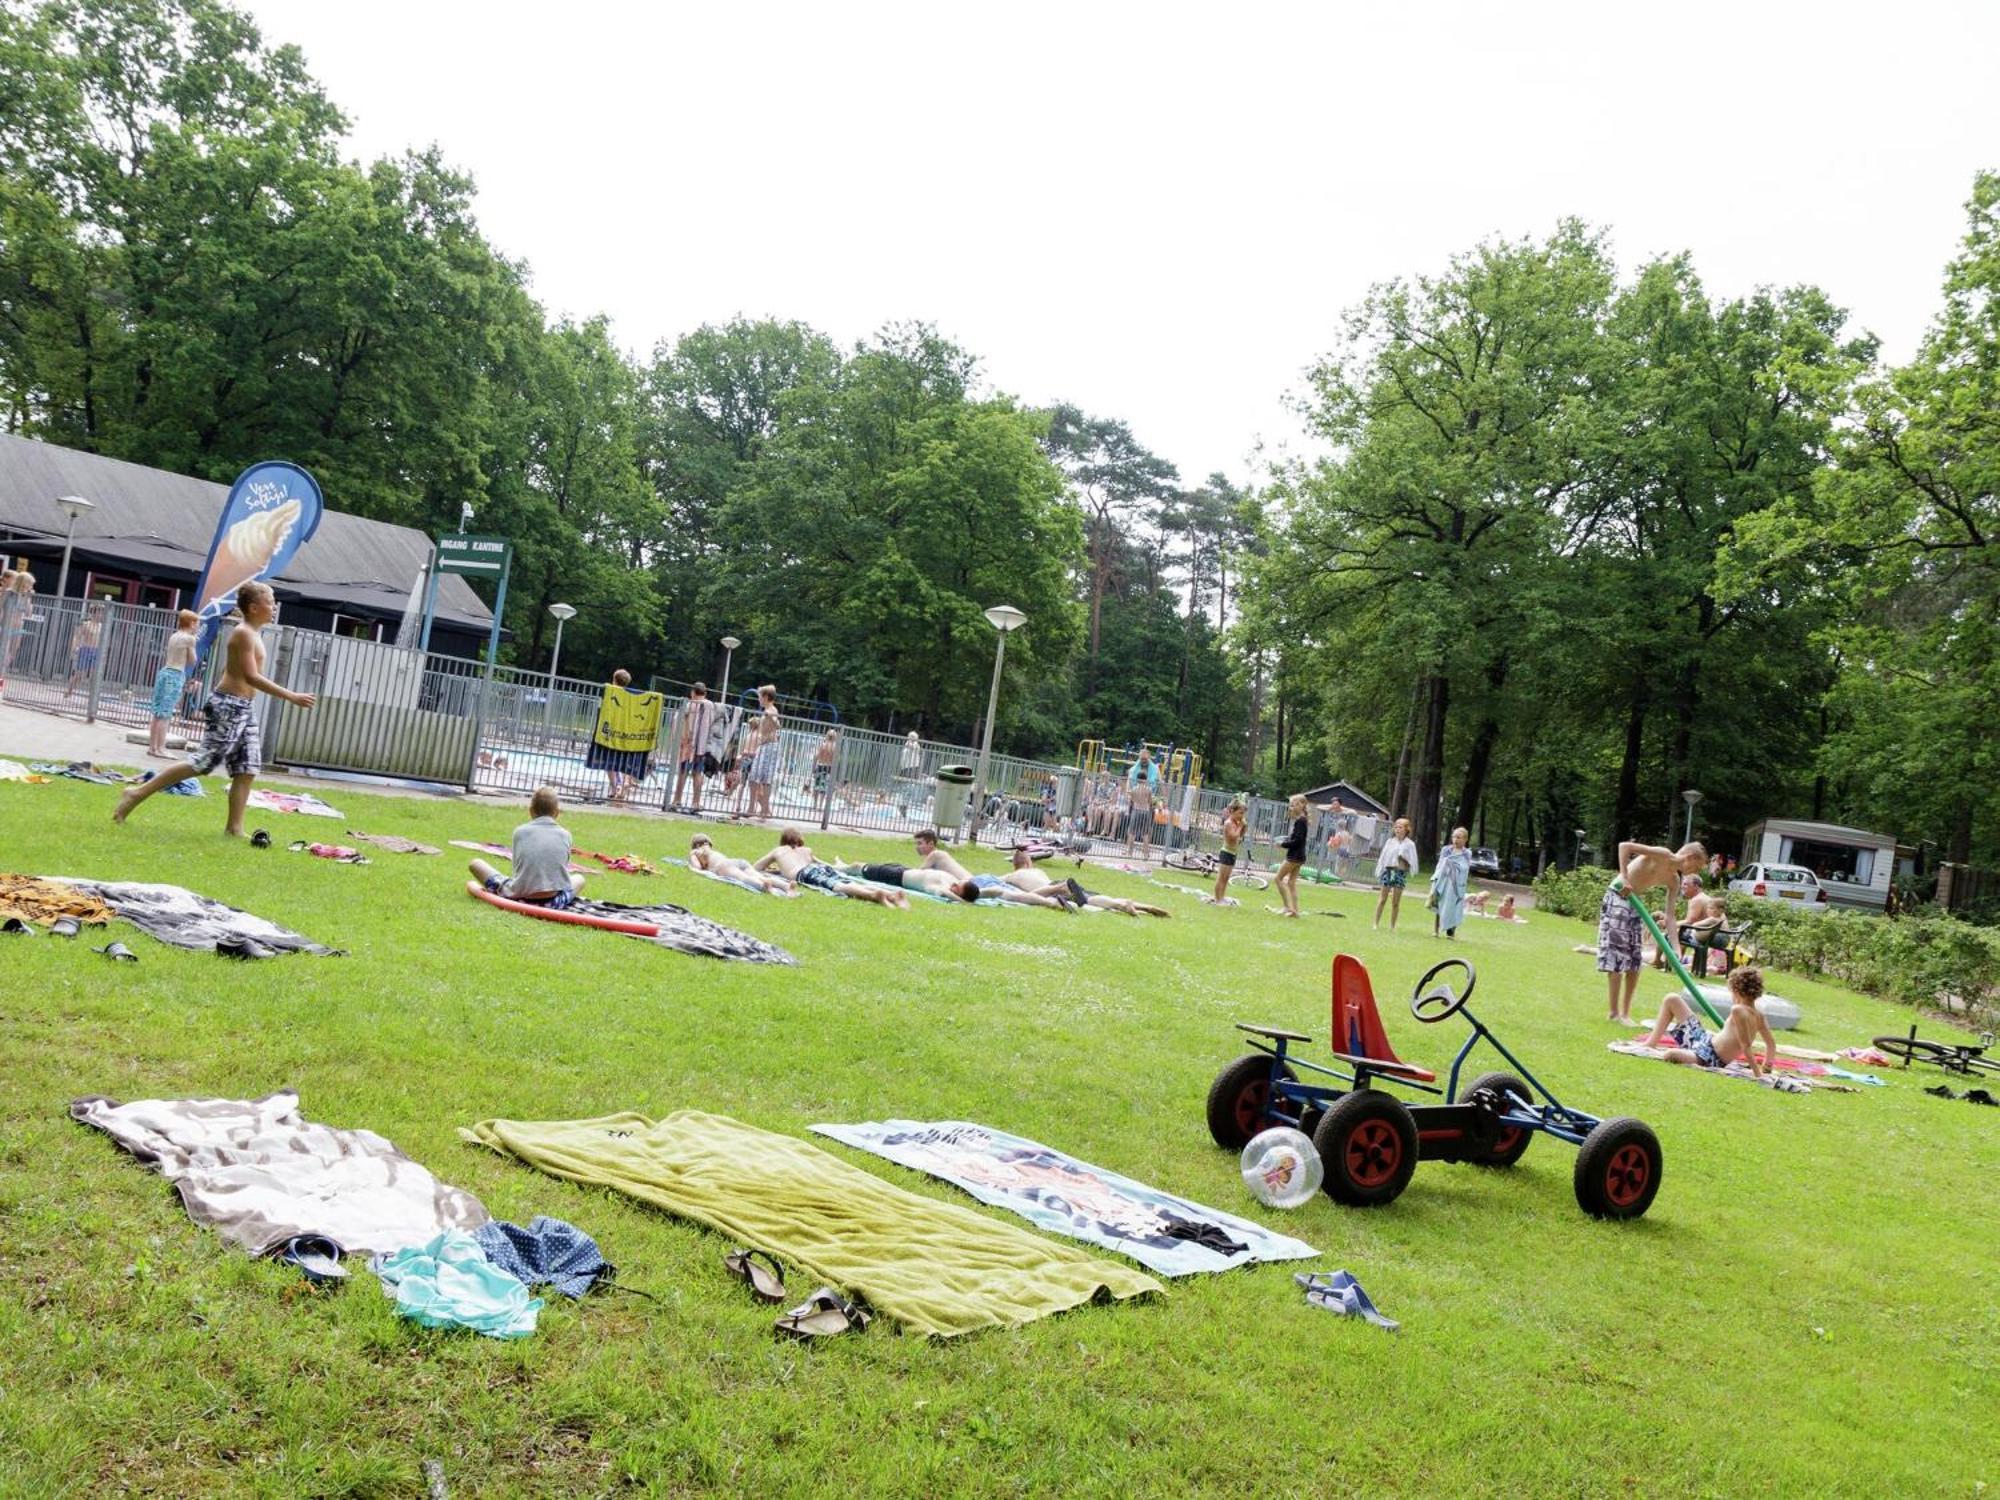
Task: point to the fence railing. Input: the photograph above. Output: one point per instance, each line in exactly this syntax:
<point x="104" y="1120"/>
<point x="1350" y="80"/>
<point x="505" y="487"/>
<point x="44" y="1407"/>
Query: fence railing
<point x="424" y="716"/>
<point x="92" y="659"/>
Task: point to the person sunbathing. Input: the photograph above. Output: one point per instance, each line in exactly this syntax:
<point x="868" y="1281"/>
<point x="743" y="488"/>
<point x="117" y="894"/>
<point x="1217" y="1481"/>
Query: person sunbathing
<point x="1696" y="1046"/>
<point x="704" y="856"/>
<point x="997" y="888"/>
<point x="930" y="857"/>
<point x="906" y="877"/>
<point x="1025" y="877"/>
<point x="794" y="859"/>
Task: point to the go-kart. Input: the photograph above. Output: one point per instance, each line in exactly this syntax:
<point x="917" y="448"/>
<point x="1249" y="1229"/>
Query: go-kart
<point x="1370" y="1141"/>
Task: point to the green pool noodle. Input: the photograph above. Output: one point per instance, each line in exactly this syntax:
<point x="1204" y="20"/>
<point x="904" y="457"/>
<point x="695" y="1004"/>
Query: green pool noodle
<point x="1673" y="958"/>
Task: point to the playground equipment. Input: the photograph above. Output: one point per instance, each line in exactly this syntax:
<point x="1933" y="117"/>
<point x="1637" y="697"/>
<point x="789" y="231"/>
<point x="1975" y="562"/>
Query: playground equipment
<point x="1369" y="1141"/>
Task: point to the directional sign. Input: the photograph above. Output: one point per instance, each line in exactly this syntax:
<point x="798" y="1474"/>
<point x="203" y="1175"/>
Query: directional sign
<point x="479" y="556"/>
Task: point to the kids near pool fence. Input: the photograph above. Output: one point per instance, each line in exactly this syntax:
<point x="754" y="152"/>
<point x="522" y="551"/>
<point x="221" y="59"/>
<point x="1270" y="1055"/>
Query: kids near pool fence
<point x="421" y="716"/>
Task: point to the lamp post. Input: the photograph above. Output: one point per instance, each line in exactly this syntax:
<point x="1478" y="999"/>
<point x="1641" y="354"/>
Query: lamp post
<point x="729" y="645"/>
<point x="564" y="613"/>
<point x="1690" y="797"/>
<point x="1577" y="858"/>
<point x="1003" y="618"/>
<point x="74" y="506"/>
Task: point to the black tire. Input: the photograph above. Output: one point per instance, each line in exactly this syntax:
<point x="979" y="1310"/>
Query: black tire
<point x="1910" y="1050"/>
<point x="1367" y="1143"/>
<point x="1513" y="1140"/>
<point x="1237" y="1098"/>
<point x="1618" y="1169"/>
<point x="1309" y="1117"/>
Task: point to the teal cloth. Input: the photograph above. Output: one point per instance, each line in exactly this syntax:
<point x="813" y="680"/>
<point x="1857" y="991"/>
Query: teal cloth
<point x="449" y="1283"/>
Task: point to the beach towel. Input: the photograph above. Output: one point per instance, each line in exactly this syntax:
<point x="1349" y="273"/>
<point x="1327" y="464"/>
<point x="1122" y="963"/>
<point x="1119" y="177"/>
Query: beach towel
<point x="291" y="802"/>
<point x="33" y="899"/>
<point x="680" y="929"/>
<point x="628" y="722"/>
<point x="1637" y="1048"/>
<point x="1173" y="1236"/>
<point x="629" y="864"/>
<point x="741" y="885"/>
<point x="259" y="1173"/>
<point x="1787" y="1061"/>
<point x="395" y="843"/>
<point x="187" y="920"/>
<point x="13" y="770"/>
<point x="935" y="1268"/>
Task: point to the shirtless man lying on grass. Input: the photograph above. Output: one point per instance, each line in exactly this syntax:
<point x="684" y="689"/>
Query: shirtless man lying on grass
<point x="794" y="859"/>
<point x="703" y="855"/>
<point x="1024" y="876"/>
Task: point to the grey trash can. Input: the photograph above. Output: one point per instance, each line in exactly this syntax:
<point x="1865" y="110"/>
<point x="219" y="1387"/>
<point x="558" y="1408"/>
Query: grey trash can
<point x="1069" y="784"/>
<point x="954" y="788"/>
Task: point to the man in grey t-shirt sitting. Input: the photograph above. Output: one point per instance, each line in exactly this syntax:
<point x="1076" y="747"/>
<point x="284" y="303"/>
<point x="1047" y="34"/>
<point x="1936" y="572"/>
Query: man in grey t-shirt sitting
<point x="541" y="859"/>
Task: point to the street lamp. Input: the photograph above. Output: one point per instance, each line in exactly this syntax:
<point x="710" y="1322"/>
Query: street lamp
<point x="74" y="506"/>
<point x="1690" y="797"/>
<point x="564" y="613"/>
<point x="729" y="645"/>
<point x="1003" y="618"/>
<point x="1577" y="858"/>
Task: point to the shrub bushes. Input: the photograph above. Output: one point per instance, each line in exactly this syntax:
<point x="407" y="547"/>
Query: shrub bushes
<point x="1923" y="957"/>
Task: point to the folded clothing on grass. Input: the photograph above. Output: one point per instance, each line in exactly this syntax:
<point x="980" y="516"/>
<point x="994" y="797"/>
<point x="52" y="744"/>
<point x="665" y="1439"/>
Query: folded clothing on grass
<point x="260" y="1174"/>
<point x="34" y="899"/>
<point x="935" y="1268"/>
<point x="448" y="1282"/>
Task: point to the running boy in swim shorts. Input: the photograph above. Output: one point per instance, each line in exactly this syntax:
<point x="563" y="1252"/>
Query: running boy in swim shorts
<point x="1696" y="1046"/>
<point x="230" y="740"/>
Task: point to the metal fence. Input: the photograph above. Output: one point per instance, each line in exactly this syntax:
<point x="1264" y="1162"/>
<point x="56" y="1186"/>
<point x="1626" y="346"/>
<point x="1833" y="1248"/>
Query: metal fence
<point x="422" y="716"/>
<point x="91" y="659"/>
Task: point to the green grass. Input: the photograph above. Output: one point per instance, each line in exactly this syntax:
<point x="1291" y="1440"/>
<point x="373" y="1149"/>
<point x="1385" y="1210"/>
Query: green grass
<point x="1810" y="1306"/>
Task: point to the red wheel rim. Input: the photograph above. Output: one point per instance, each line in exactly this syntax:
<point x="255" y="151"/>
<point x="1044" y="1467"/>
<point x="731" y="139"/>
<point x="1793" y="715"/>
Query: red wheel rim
<point x="1374" y="1152"/>
<point x="1626" y="1178"/>
<point x="1507" y="1140"/>
<point x="1250" y="1108"/>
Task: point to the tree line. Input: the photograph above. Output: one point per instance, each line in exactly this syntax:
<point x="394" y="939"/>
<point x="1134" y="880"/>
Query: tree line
<point x="1575" y="541"/>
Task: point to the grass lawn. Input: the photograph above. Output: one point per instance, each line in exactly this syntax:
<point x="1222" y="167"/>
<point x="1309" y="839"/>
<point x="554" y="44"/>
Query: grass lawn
<point x="1810" y="1307"/>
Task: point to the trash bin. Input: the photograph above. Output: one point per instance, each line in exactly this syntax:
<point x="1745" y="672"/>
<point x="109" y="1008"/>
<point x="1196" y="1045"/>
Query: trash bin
<point x="1069" y="783"/>
<point x="954" y="787"/>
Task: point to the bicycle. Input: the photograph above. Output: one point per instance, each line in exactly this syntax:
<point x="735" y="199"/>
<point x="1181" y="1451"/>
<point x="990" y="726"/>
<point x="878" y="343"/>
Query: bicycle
<point x="1961" y="1058"/>
<point x="1195" y="863"/>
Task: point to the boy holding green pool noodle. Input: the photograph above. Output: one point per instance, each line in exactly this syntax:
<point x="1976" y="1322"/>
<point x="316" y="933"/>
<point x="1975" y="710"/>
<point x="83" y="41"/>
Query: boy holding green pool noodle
<point x="1621" y="927"/>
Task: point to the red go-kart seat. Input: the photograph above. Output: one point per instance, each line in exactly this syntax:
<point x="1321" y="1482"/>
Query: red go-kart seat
<point x="1358" y="1036"/>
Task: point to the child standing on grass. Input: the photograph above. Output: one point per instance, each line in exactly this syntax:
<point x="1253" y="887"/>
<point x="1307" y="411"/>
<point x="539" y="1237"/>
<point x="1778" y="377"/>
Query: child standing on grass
<point x="1449" y="880"/>
<point x="230" y="739"/>
<point x="1287" y="880"/>
<point x="542" y="848"/>
<point x="1392" y="872"/>
<point x="1698" y="1047"/>
<point x="1232" y="839"/>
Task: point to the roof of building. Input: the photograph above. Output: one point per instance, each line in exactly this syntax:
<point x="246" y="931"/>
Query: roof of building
<point x="1833" y="831"/>
<point x="163" y="523"/>
<point x="1350" y="795"/>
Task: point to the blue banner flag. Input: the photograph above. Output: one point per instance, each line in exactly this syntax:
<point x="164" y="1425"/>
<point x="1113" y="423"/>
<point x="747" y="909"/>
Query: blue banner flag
<point x="272" y="511"/>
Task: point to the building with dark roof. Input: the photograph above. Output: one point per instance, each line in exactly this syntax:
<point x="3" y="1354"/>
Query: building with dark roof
<point x="145" y="541"/>
<point x="1350" y="797"/>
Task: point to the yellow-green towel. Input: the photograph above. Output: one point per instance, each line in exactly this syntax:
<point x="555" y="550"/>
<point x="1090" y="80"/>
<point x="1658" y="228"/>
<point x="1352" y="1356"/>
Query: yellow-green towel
<point x="934" y="1267"/>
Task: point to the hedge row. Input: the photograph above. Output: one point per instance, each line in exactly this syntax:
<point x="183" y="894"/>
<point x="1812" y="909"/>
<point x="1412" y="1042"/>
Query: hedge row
<point x="1923" y="957"/>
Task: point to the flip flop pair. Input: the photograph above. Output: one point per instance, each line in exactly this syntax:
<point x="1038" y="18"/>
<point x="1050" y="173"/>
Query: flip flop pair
<point x="823" y="1315"/>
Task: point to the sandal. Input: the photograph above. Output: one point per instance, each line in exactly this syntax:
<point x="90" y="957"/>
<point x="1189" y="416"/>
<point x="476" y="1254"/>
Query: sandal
<point x="822" y="1316"/>
<point x="760" y="1271"/>
<point x="118" y="951"/>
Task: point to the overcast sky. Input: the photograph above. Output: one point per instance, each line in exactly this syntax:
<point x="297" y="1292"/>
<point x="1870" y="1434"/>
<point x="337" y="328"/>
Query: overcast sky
<point x="1156" y="211"/>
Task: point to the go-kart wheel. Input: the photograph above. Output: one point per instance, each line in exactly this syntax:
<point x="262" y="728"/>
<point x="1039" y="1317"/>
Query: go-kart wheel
<point x="1238" y="1098"/>
<point x="1309" y="1117"/>
<point x="1434" y="998"/>
<point x="1618" y="1169"/>
<point x="1512" y="1141"/>
<point x="1367" y="1144"/>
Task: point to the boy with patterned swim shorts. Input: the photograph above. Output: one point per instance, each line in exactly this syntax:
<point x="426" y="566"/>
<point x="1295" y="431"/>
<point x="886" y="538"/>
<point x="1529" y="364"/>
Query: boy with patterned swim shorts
<point x="230" y="741"/>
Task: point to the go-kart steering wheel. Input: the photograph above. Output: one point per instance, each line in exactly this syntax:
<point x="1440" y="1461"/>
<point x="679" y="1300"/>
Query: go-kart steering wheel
<point x="1433" y="999"/>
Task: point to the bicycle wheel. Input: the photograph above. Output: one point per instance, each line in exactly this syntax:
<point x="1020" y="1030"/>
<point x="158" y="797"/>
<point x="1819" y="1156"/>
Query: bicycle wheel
<point x="1910" y="1050"/>
<point x="1251" y="882"/>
